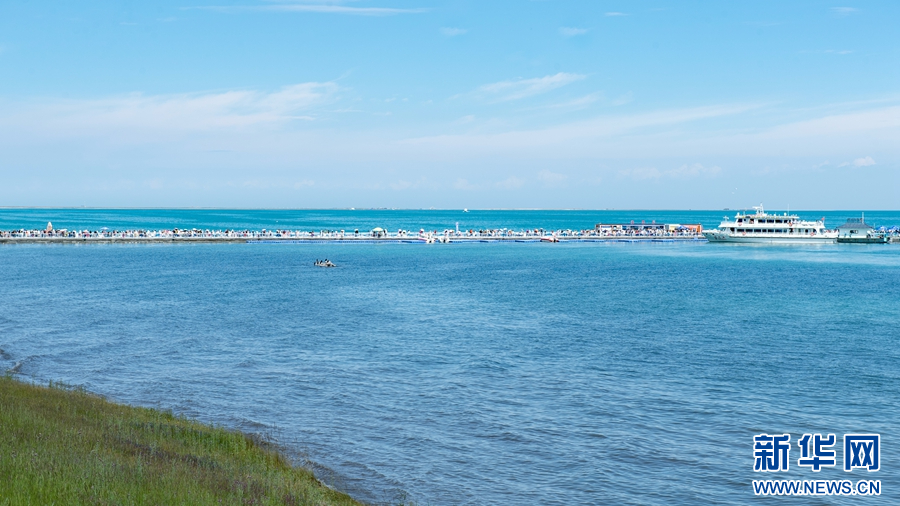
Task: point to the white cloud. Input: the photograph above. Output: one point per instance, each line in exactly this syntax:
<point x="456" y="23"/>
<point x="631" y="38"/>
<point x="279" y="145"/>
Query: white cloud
<point x="614" y="14"/>
<point x="852" y="122"/>
<point x="694" y="170"/>
<point x="574" y="104"/>
<point x="832" y="135"/>
<point x="154" y="184"/>
<point x="582" y="101"/>
<point x="572" y="32"/>
<point x="603" y="127"/>
<point x="257" y="184"/>
<point x="550" y="178"/>
<point x="843" y="11"/>
<point x="866" y="161"/>
<point x="401" y="185"/>
<point x="683" y="172"/>
<point x="253" y="131"/>
<point x="182" y="112"/>
<point x="827" y="51"/>
<point x="623" y="99"/>
<point x="510" y="183"/>
<point x="453" y="32"/>
<point x="329" y="8"/>
<point x="641" y="173"/>
<point x="522" y="88"/>
<point x="464" y="184"/>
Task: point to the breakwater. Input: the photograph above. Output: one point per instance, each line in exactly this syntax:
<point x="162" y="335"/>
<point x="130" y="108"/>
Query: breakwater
<point x="326" y="236"/>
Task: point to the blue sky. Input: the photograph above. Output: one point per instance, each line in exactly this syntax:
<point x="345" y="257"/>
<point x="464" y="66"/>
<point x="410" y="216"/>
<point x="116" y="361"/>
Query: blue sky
<point x="400" y="103"/>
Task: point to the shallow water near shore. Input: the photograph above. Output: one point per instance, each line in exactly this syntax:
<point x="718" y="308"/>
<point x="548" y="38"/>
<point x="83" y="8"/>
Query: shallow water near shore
<point x="484" y="373"/>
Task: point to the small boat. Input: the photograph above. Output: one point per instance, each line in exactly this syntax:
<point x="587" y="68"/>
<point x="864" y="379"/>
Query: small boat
<point x="324" y="263"/>
<point x="549" y="238"/>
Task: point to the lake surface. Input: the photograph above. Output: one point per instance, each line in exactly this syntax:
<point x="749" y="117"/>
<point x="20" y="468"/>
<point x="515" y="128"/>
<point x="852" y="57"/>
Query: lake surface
<point x="481" y="373"/>
<point x="367" y="219"/>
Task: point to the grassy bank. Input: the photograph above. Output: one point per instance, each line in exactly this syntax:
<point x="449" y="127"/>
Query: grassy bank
<point x="60" y="446"/>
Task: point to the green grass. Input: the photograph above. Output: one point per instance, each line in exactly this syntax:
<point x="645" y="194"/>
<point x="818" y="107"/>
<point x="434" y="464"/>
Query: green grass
<point x="65" y="446"/>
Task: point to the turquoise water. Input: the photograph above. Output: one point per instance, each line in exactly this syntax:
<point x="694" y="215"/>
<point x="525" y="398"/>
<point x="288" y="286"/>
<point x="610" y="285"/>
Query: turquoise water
<point x="479" y="373"/>
<point x="155" y="219"/>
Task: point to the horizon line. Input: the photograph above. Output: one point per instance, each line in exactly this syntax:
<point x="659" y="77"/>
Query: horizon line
<point x="463" y="209"/>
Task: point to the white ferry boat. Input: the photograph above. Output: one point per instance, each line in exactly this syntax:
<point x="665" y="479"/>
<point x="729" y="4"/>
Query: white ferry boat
<point x="763" y="227"/>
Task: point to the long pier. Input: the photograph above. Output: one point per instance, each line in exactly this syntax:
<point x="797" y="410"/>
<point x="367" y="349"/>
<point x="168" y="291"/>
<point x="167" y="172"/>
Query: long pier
<point x="627" y="233"/>
<point x="332" y="240"/>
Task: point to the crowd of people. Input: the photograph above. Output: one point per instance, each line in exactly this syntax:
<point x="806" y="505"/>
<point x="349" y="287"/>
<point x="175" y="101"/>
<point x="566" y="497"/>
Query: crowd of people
<point x="495" y="233"/>
<point x="601" y="231"/>
<point x="140" y="233"/>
